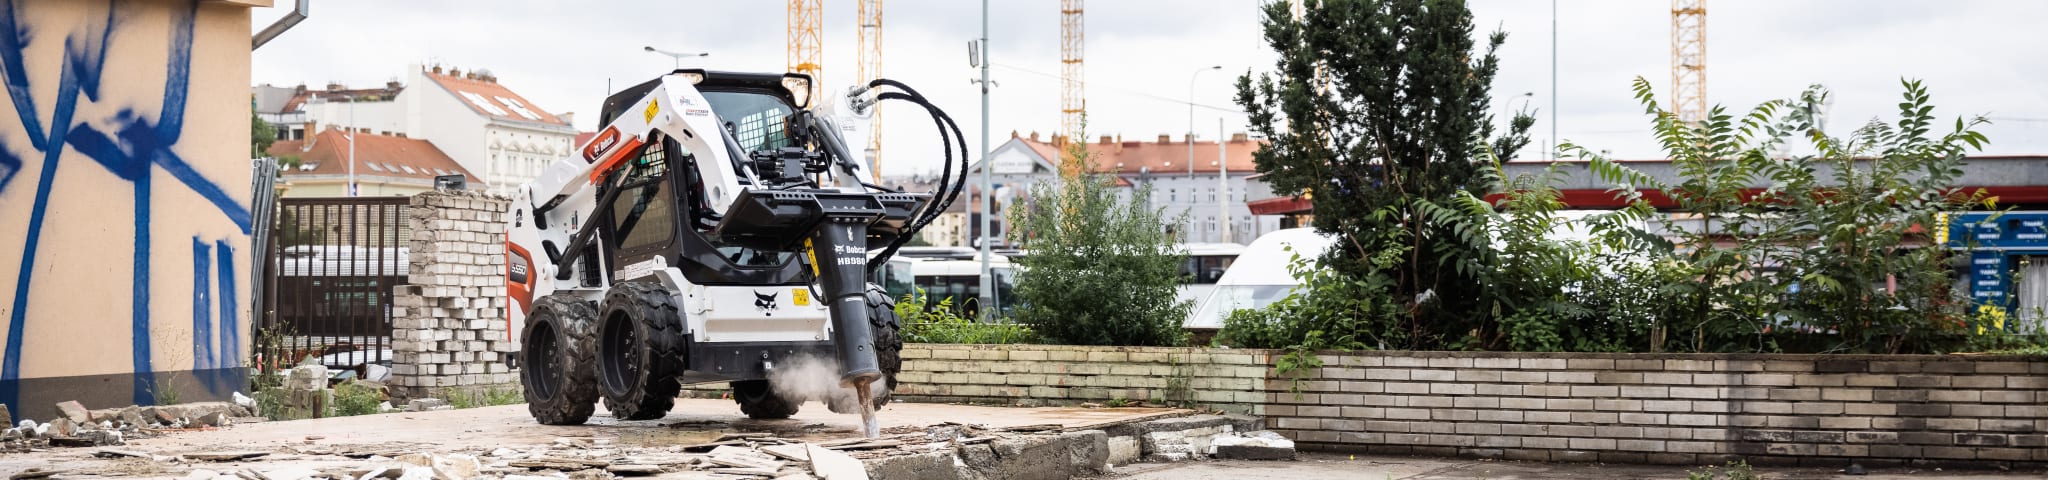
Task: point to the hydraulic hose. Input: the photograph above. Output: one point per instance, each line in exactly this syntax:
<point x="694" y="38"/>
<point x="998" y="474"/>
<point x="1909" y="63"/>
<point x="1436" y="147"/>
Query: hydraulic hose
<point x="949" y="187"/>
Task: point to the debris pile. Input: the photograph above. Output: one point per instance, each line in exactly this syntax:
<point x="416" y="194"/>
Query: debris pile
<point x="75" y="426"/>
<point x="1259" y="445"/>
<point x="751" y="455"/>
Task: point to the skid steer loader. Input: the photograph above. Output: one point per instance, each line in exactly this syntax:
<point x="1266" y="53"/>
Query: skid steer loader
<point x="717" y="228"/>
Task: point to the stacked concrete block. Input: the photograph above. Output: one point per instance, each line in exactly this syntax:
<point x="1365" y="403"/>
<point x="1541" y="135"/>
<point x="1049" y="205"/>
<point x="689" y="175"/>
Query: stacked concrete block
<point x="449" y="324"/>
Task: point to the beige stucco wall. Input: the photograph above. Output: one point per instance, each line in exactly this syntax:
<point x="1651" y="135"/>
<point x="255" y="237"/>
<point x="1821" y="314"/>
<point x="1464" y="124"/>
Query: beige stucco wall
<point x="120" y="282"/>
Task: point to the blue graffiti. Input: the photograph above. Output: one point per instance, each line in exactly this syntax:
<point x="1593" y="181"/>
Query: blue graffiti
<point x="133" y="150"/>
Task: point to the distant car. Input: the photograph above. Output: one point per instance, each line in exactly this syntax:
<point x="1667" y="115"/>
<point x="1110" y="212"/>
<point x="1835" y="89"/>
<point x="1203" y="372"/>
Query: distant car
<point x="1259" y="277"/>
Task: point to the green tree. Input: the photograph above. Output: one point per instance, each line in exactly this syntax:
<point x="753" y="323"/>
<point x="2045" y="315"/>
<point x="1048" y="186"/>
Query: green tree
<point x="1102" y="270"/>
<point x="1828" y="256"/>
<point x="261" y="135"/>
<point x="1374" y="111"/>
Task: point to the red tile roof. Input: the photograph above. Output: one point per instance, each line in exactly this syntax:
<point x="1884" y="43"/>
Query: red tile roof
<point x="488" y="98"/>
<point x="1165" y="156"/>
<point x="380" y="155"/>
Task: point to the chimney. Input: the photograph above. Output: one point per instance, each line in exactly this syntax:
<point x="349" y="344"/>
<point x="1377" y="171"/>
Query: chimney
<point x="392" y="85"/>
<point x="1164" y="138"/>
<point x="567" y="117"/>
<point x="1239" y="137"/>
<point x="454" y="72"/>
<point x="1034" y="135"/>
<point x="334" y="87"/>
<point x="1105" y="140"/>
<point x="299" y="89"/>
<point x="437" y="69"/>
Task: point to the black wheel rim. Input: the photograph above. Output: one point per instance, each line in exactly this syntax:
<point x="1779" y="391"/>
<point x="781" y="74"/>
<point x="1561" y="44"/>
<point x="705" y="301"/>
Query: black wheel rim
<point x="621" y="365"/>
<point x="543" y="360"/>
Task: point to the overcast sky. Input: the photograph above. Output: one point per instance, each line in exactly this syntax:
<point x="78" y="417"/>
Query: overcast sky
<point x="1982" y="57"/>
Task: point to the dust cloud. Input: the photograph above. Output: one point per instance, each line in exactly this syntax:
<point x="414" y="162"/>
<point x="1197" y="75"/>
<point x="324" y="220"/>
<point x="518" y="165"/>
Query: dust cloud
<point x="810" y="377"/>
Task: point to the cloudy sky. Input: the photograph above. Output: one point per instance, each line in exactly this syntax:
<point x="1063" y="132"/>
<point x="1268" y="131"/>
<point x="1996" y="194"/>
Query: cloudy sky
<point x="1977" y="56"/>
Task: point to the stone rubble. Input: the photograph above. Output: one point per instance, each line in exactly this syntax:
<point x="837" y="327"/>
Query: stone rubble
<point x="1259" y="445"/>
<point x="730" y="456"/>
<point x="77" y="427"/>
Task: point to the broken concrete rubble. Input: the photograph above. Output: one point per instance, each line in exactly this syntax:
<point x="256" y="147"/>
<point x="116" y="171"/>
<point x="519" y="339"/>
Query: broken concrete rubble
<point x="74" y="412"/>
<point x="1259" y="445"/>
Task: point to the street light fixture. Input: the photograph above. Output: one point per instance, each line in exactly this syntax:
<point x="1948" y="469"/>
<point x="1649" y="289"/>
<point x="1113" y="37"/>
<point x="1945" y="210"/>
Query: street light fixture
<point x="676" y="55"/>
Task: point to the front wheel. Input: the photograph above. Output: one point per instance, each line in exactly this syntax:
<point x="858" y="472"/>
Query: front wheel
<point x="639" y="351"/>
<point x="556" y="370"/>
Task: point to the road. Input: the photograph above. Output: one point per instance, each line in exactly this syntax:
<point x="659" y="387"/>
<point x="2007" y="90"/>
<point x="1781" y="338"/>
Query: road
<point x="328" y="443"/>
<point x="1313" y="466"/>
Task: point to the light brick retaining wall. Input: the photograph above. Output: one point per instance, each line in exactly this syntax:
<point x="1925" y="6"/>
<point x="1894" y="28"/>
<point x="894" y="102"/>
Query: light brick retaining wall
<point x="1636" y="408"/>
<point x="1221" y="379"/>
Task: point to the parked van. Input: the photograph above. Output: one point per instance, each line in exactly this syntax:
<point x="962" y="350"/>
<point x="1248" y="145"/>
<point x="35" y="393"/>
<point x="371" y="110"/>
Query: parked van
<point x="1259" y="276"/>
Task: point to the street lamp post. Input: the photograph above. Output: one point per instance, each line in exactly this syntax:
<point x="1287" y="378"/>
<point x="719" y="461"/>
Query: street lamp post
<point x="988" y="284"/>
<point x="1191" y="128"/>
<point x="678" y="56"/>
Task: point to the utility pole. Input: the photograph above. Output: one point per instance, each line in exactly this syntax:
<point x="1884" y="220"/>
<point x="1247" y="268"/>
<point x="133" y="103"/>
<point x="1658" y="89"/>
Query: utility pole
<point x="351" y="131"/>
<point x="988" y="284"/>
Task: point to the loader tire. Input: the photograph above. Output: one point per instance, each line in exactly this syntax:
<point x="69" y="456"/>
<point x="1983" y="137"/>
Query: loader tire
<point x="557" y="370"/>
<point x="888" y="352"/>
<point x="639" y="351"/>
<point x="760" y="402"/>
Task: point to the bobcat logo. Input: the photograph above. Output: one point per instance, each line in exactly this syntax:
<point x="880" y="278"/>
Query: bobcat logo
<point x="766" y="302"/>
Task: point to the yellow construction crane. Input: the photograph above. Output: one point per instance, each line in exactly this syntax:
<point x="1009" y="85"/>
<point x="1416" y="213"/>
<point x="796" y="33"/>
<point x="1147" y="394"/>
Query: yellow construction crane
<point x="870" y="68"/>
<point x="806" y="44"/>
<point x="1073" y="98"/>
<point x="1689" y="60"/>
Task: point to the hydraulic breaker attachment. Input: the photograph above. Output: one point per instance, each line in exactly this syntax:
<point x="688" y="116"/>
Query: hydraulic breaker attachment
<point x="839" y="251"/>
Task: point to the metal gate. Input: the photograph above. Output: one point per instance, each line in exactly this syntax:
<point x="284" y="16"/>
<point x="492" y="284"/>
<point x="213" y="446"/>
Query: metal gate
<point x="333" y="266"/>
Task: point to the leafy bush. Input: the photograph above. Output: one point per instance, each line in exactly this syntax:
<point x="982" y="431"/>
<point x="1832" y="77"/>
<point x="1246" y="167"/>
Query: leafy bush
<point x="353" y="398"/>
<point x="941" y="323"/>
<point x="1101" y="270"/>
<point x="1827" y="258"/>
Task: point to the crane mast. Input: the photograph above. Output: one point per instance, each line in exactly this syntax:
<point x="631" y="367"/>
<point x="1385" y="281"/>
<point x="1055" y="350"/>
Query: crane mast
<point x="1689" y="60"/>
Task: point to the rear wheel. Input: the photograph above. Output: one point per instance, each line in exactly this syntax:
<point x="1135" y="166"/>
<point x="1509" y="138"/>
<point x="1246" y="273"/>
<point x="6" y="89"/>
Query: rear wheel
<point x="639" y="351"/>
<point x="888" y="352"/>
<point x="556" y="361"/>
<point x="759" y="401"/>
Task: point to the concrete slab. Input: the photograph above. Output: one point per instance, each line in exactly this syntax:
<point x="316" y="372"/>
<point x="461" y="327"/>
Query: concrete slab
<point x="1323" y="465"/>
<point x="319" y="443"/>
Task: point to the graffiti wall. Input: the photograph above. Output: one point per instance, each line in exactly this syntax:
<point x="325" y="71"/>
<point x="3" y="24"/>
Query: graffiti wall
<point x="124" y="201"/>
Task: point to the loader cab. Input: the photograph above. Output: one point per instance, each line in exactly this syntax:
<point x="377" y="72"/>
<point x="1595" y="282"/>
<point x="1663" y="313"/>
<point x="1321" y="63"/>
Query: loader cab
<point x="660" y="212"/>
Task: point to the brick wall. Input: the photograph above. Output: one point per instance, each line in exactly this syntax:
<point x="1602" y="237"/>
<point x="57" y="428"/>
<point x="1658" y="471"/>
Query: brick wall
<point x="1221" y="379"/>
<point x="448" y="325"/>
<point x="1634" y="408"/>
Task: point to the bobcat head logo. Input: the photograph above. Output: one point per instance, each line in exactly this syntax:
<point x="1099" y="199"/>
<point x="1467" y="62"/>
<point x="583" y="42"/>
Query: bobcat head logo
<point x="765" y="302"/>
